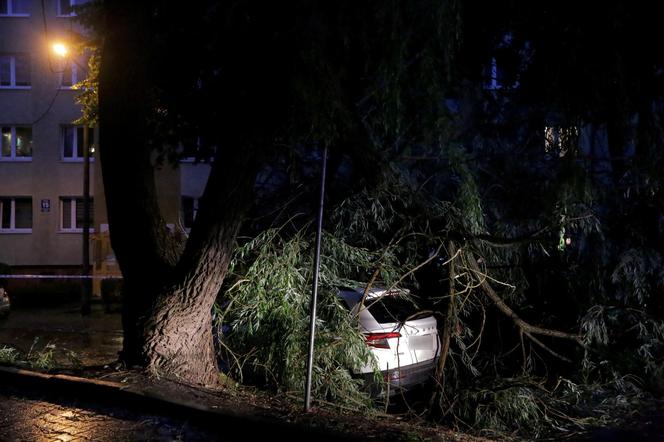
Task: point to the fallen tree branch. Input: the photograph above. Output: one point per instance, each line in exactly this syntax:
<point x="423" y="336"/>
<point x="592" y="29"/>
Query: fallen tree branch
<point x="449" y="327"/>
<point x="450" y="317"/>
<point x="541" y="344"/>
<point x="498" y="241"/>
<point x="526" y="328"/>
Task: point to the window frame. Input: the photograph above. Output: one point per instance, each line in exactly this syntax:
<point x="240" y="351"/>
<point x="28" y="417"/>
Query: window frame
<point x="76" y="150"/>
<point x="12" y="71"/>
<point x="75" y="75"/>
<point x="10" y="10"/>
<point x="73" y="203"/>
<point x="12" y="215"/>
<point x="13" y="157"/>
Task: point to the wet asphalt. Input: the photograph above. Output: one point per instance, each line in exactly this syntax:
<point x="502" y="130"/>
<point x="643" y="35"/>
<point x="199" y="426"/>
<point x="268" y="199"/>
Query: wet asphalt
<point x="72" y="338"/>
<point x="27" y="415"/>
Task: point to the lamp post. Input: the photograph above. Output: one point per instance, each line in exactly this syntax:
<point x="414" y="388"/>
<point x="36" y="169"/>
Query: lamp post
<point x="314" y="290"/>
<point x="62" y="51"/>
<point x="86" y="295"/>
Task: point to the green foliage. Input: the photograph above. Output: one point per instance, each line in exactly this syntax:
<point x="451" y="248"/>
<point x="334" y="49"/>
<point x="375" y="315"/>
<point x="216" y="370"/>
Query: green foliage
<point x="640" y="337"/>
<point x="43" y="359"/>
<point x="501" y="408"/>
<point x="88" y="95"/>
<point x="526" y="408"/>
<point x="638" y="275"/>
<point x="40" y="357"/>
<point x="8" y="355"/>
<point x="467" y="199"/>
<point x="88" y="45"/>
<point x="268" y="310"/>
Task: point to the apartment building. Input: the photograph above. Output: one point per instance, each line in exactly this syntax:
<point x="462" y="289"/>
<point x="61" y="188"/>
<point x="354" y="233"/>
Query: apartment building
<point x="41" y="156"/>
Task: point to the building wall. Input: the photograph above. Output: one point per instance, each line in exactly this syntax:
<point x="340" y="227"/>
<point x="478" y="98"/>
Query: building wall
<point x="46" y="107"/>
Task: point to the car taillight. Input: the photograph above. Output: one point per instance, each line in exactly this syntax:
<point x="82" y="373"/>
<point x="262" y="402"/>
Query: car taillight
<point x="379" y="340"/>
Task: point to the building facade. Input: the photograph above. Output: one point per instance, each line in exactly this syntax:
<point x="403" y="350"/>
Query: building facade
<point x="41" y="156"/>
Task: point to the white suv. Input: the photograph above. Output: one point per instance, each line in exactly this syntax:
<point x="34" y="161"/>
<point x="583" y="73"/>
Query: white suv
<point x="404" y="343"/>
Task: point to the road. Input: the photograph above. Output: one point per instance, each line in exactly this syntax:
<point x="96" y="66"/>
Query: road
<point x="33" y="416"/>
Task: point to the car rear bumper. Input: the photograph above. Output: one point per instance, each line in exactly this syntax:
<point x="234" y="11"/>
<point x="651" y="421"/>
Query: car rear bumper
<point x="401" y="378"/>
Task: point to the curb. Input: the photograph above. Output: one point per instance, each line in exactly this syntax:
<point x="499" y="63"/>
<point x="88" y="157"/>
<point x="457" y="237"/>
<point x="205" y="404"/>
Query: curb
<point x="228" y="422"/>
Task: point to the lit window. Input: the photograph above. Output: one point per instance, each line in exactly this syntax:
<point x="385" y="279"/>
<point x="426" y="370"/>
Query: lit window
<point x="16" y="214"/>
<point x="67" y="8"/>
<point x="14" y="71"/>
<point x="188" y="211"/>
<point x="14" y="8"/>
<point x="72" y="142"/>
<point x="560" y="140"/>
<point x="16" y="143"/>
<point x="72" y="216"/>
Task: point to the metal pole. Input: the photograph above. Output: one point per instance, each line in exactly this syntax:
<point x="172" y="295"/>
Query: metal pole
<point x="314" y="291"/>
<point x="85" y="293"/>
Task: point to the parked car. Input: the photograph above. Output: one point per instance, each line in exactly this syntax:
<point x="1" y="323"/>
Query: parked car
<point x="404" y="343"/>
<point x="4" y="303"/>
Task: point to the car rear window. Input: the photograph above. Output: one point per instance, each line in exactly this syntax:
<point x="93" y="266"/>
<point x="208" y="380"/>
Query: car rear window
<point x="391" y="309"/>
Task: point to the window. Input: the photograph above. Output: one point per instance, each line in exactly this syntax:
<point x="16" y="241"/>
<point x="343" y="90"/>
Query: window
<point x="14" y="8"/>
<point x="72" y="142"/>
<point x="14" y="70"/>
<point x="71" y="214"/>
<point x="16" y="214"/>
<point x="188" y="211"/>
<point x="16" y="144"/>
<point x="560" y="140"/>
<point x="72" y="73"/>
<point x="67" y="8"/>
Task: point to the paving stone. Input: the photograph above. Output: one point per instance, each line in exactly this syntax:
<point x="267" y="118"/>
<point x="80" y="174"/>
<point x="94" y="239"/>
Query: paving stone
<point x="34" y="418"/>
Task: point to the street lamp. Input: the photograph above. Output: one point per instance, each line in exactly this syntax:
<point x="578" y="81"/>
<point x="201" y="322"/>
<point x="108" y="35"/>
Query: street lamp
<point x="61" y="50"/>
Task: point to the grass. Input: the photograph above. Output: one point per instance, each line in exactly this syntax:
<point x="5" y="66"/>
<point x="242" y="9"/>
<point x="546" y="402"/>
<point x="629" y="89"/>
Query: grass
<point x="44" y="358"/>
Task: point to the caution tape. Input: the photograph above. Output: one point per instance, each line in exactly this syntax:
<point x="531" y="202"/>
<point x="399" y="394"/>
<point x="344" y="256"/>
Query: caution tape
<point x="59" y="277"/>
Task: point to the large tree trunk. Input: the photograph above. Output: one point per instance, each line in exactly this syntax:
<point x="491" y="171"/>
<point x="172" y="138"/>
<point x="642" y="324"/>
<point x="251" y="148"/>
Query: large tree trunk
<point x="167" y="294"/>
<point x="175" y="331"/>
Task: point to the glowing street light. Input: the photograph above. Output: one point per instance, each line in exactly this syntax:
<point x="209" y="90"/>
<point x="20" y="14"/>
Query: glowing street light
<point x="60" y="49"/>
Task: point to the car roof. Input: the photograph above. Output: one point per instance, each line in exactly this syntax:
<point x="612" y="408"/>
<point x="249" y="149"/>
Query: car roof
<point x="354" y="295"/>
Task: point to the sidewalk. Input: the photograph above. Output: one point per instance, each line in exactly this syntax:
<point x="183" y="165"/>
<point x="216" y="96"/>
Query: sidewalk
<point x="230" y="424"/>
<point x="27" y="415"/>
